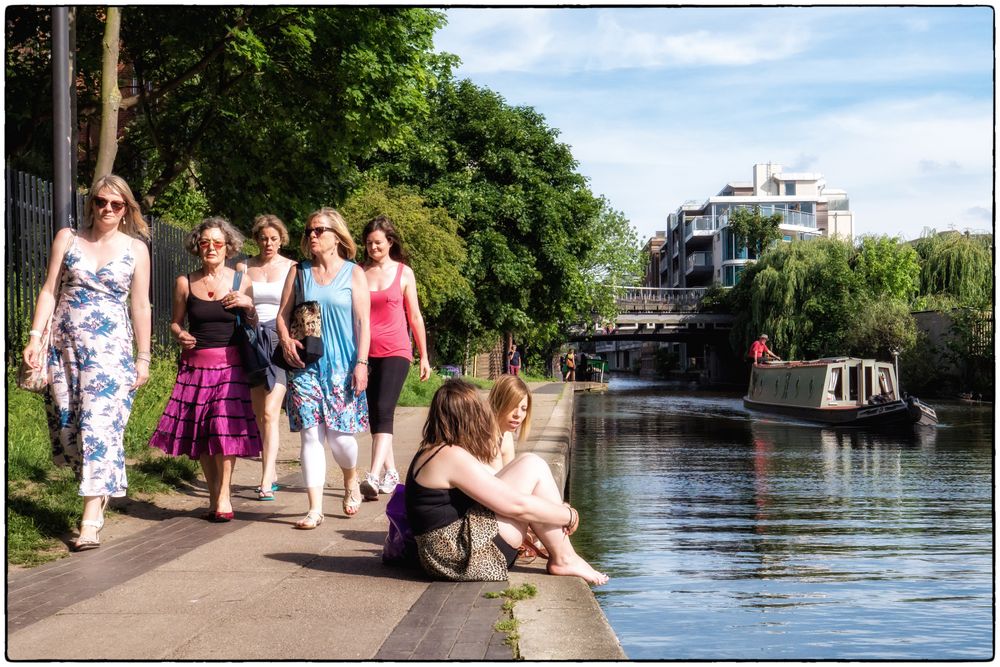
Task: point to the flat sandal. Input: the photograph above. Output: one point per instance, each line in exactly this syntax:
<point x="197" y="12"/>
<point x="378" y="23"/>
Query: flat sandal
<point x="311" y="520"/>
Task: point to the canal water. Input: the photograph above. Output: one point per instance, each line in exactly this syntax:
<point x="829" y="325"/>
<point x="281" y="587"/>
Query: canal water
<point x="729" y="537"/>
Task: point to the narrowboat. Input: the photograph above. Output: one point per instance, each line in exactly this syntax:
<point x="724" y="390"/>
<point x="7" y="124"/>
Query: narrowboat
<point x="836" y="391"/>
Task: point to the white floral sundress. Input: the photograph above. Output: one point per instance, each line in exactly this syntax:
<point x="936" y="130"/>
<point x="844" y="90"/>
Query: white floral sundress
<point x="92" y="371"/>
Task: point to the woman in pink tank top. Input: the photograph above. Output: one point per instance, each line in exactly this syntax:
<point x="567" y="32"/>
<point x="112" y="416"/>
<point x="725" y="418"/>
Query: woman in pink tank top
<point x="394" y="305"/>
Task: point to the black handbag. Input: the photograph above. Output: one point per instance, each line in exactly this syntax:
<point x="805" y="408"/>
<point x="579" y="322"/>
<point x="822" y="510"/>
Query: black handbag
<point x="255" y="359"/>
<point x="306" y="326"/>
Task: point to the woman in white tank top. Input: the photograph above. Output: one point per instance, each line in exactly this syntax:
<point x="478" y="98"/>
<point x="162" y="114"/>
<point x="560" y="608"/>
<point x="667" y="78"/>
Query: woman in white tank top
<point x="268" y="271"/>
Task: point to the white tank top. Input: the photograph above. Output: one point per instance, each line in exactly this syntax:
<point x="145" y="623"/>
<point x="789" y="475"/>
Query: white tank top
<point x="267" y="298"/>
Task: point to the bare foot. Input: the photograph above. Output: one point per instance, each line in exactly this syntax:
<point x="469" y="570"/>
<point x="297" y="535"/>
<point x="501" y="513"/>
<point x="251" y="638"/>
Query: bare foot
<point x="577" y="567"/>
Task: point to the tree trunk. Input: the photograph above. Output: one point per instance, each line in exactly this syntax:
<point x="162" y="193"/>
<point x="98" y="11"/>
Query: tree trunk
<point x="111" y="96"/>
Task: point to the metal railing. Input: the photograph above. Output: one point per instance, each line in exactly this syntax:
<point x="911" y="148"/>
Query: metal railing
<point x="28" y="234"/>
<point x="788" y="217"/>
<point x="683" y="297"/>
<point x="699" y="260"/>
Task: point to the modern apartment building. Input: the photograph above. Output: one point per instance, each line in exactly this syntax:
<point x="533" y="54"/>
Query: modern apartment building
<point x="698" y="248"/>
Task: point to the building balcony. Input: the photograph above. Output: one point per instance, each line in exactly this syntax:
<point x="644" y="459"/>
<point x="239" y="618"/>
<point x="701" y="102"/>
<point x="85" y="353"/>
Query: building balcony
<point x="789" y="218"/>
<point x="699" y="262"/>
<point x="699" y="226"/>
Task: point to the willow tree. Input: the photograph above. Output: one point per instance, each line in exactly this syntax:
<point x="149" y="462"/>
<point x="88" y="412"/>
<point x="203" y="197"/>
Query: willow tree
<point x="804" y="295"/>
<point x="958" y="265"/>
<point x="887" y="268"/>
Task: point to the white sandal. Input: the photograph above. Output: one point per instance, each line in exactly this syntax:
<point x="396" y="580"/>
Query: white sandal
<point x="311" y="520"/>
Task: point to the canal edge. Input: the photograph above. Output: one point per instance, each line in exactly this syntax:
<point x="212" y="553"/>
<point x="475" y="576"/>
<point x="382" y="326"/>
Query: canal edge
<point x="564" y="621"/>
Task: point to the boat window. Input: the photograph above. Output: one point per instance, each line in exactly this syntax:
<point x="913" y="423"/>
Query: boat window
<point x="885" y="382"/>
<point x="852" y="383"/>
<point x="833" y="386"/>
<point x="868" y="382"/>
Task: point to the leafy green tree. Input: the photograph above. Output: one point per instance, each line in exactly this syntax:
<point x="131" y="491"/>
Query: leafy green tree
<point x="959" y="265"/>
<point x="539" y="242"/>
<point x="887" y="268"/>
<point x="880" y="326"/>
<point x="262" y="108"/>
<point x="433" y="247"/>
<point x="750" y="227"/>
<point x="803" y="294"/>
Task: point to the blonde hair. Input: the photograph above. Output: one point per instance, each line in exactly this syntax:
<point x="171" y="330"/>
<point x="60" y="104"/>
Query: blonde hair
<point x="458" y="416"/>
<point x="506" y="394"/>
<point x="266" y="220"/>
<point x="346" y="247"/>
<point x="132" y="221"/>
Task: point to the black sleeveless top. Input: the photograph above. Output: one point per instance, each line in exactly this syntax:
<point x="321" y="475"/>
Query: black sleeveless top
<point x="429" y="509"/>
<point x="210" y="323"/>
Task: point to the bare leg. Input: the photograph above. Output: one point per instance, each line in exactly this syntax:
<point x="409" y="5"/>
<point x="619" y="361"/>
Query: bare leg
<point x="92" y="511"/>
<point x="530" y="474"/>
<point x="210" y="469"/>
<point x="352" y="495"/>
<point x="267" y="408"/>
<point x="225" y="465"/>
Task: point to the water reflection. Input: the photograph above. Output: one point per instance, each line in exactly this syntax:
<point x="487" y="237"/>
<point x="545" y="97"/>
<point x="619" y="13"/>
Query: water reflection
<point x="783" y="540"/>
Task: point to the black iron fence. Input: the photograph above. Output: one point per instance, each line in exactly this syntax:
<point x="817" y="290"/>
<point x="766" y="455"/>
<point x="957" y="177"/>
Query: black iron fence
<point x="28" y="230"/>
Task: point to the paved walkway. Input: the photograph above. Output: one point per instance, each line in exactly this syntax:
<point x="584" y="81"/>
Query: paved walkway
<point x="255" y="588"/>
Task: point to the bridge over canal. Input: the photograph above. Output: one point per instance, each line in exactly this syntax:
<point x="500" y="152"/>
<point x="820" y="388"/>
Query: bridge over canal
<point x="659" y="314"/>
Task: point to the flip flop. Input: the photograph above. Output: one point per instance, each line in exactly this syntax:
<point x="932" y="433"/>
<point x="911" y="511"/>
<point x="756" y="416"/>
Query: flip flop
<point x="265" y="495"/>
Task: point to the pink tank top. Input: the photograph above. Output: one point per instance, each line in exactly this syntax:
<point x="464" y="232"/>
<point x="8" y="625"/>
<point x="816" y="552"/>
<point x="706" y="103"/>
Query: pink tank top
<point x="390" y="336"/>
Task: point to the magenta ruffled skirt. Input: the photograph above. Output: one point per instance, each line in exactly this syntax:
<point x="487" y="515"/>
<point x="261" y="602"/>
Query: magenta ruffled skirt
<point x="209" y="411"/>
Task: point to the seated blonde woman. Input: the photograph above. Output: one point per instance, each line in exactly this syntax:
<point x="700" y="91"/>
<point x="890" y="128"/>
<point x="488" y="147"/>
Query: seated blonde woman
<point x="468" y="522"/>
<point x="510" y="399"/>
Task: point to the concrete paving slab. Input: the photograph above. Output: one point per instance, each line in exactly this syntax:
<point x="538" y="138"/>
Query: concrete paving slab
<point x="256" y="589"/>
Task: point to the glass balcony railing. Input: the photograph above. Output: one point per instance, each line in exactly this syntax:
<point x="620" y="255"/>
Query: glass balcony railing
<point x="702" y="225"/>
<point x="699" y="260"/>
<point x="788" y="217"/>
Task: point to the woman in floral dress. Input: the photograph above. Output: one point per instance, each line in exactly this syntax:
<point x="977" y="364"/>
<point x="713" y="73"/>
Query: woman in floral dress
<point x="94" y="276"/>
<point x="326" y="400"/>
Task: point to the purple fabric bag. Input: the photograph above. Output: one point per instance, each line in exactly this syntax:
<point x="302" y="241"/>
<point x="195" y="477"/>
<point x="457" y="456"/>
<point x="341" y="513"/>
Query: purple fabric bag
<point x="400" y="548"/>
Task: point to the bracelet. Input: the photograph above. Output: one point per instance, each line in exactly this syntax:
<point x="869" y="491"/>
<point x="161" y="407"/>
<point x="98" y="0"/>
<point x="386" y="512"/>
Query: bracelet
<point x="363" y="362"/>
<point x="35" y="333"/>
<point x="572" y="518"/>
<point x="144" y="356"/>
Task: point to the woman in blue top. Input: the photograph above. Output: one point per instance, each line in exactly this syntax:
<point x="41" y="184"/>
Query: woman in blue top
<point x="326" y="400"/>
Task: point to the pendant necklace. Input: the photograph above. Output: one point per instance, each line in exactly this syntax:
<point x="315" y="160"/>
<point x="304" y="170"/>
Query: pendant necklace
<point x="211" y="292"/>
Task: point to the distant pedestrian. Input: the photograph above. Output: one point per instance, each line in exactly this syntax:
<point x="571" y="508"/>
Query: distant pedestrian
<point x="326" y="401"/>
<point x="584" y="367"/>
<point x="96" y="276"/>
<point x="469" y="523"/>
<point x="209" y="417"/>
<point x="394" y="306"/>
<point x="570" y="375"/>
<point x="514" y="360"/>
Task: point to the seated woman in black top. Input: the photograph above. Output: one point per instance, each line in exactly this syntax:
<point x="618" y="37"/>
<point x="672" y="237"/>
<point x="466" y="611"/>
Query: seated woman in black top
<point x="467" y="522"/>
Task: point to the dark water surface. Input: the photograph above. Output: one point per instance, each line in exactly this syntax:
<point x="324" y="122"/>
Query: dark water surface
<point x="728" y="537"/>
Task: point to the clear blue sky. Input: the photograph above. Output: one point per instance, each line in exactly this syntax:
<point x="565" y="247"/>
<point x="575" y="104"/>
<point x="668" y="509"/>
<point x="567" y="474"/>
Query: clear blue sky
<point x="664" y="105"/>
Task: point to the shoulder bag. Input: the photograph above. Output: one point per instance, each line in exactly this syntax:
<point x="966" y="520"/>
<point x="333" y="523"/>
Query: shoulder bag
<point x="255" y="361"/>
<point x="306" y="326"/>
<point x="37" y="380"/>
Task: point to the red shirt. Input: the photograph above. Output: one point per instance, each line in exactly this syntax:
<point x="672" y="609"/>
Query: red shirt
<point x="757" y="349"/>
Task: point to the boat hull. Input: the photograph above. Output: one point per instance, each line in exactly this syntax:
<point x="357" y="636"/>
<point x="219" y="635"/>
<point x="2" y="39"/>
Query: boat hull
<point x="893" y="413"/>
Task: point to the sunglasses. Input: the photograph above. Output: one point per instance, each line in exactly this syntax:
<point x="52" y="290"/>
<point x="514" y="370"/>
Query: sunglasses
<point x="318" y="231"/>
<point x="204" y="243"/>
<point x="116" y="206"/>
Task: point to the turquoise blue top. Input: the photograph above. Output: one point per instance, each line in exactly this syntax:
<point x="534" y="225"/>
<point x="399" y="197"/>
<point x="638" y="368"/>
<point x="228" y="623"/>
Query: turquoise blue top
<point x="340" y="350"/>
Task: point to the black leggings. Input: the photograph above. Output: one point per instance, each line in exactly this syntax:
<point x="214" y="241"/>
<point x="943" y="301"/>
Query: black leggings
<point x="385" y="381"/>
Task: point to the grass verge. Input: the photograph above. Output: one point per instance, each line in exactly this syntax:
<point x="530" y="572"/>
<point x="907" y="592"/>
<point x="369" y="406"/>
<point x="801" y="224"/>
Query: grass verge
<point x="419" y="394"/>
<point x="510" y="625"/>
<point x="42" y="499"/>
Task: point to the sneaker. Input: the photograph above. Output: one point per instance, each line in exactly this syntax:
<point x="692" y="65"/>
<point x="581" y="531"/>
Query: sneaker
<point x="369" y="487"/>
<point x="389" y="481"/>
